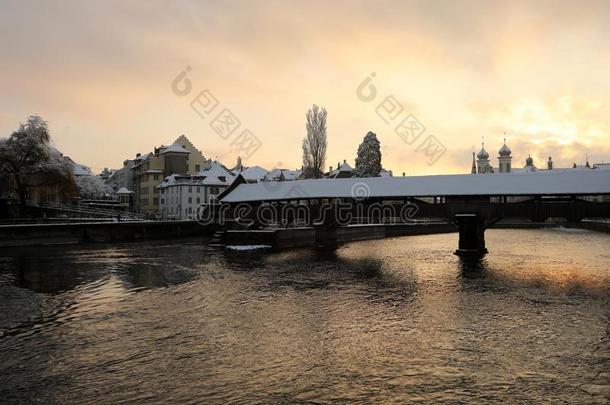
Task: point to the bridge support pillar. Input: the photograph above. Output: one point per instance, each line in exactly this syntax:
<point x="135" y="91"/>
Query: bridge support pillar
<point x="471" y="228"/>
<point x="326" y="237"/>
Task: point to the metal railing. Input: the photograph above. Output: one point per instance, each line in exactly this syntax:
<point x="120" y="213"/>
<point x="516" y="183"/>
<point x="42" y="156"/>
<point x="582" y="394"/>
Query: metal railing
<point x="86" y="211"/>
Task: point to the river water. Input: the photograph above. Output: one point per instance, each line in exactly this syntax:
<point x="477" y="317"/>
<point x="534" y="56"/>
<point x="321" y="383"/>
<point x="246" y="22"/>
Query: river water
<point x="396" y="320"/>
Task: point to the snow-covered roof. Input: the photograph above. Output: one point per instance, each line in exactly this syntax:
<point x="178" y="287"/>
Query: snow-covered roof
<point x="216" y="174"/>
<point x="180" y="179"/>
<point x="283" y="174"/>
<point x="123" y="190"/>
<point x="142" y="158"/>
<point x="343" y="168"/>
<point x="291" y="174"/>
<point x="80" y="170"/>
<point x="274" y="174"/>
<point x="77" y="168"/>
<point x="528" y="184"/>
<point x="173" y="148"/>
<point x="254" y="173"/>
<point x="526" y="169"/>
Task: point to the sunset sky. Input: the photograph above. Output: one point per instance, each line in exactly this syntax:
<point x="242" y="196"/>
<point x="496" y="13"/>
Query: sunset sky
<point x="101" y="72"/>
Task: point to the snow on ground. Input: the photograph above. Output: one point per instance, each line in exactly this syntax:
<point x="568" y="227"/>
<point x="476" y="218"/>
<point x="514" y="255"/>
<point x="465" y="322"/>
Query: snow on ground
<point x="248" y="247"/>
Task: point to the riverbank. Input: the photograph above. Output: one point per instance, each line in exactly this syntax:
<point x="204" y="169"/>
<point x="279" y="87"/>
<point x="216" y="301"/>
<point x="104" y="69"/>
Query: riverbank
<point x="93" y="232"/>
<point x="86" y="232"/>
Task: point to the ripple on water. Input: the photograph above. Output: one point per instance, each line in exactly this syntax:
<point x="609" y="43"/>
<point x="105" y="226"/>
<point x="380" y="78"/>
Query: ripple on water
<point x="399" y="320"/>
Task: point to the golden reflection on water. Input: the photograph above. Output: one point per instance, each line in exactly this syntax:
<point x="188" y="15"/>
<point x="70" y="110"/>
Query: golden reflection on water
<point x="398" y="319"/>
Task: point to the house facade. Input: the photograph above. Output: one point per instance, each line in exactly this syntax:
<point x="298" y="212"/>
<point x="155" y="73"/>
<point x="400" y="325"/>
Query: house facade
<point x="181" y="195"/>
<point x="149" y="171"/>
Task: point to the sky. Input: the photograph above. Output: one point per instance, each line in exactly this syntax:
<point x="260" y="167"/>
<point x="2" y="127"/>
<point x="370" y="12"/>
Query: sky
<point x="105" y="75"/>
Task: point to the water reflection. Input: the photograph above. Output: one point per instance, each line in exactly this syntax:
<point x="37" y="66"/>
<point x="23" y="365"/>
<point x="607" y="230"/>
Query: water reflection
<point x="473" y="267"/>
<point x="391" y="320"/>
<point x="58" y="270"/>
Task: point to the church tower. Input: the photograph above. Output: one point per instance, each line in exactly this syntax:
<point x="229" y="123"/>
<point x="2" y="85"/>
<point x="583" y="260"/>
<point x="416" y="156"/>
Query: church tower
<point x="473" y="170"/>
<point x="483" y="165"/>
<point x="505" y="158"/>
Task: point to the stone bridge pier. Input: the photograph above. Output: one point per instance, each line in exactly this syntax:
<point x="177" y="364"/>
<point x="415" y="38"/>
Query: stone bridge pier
<point x="471" y="228"/>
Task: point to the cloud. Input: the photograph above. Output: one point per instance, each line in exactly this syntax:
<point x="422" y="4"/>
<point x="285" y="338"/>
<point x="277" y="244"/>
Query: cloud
<point x="470" y="69"/>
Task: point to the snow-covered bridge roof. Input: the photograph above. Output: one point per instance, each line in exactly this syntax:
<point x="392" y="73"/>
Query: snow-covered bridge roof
<point x="585" y="182"/>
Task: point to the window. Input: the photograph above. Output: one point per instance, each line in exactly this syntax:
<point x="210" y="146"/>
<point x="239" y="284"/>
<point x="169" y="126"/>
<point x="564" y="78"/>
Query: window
<point x="190" y="189"/>
<point x="197" y="168"/>
<point x="156" y="176"/>
<point x="162" y="201"/>
<point x="199" y="189"/>
<point x="155" y="201"/>
<point x="198" y="200"/>
<point x="214" y="190"/>
<point x="190" y="200"/>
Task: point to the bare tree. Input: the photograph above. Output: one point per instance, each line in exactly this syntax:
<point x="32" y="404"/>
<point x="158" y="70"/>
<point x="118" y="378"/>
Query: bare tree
<point x="314" y="144"/>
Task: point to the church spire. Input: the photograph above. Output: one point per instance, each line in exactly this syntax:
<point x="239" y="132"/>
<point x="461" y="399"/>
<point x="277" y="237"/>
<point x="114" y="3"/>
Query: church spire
<point x="474" y="164"/>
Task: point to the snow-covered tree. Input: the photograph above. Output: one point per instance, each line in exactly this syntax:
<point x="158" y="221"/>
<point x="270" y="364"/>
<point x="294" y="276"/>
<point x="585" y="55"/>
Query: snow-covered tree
<point x="368" y="160"/>
<point x="27" y="157"/>
<point x="314" y="144"/>
<point x="92" y="187"/>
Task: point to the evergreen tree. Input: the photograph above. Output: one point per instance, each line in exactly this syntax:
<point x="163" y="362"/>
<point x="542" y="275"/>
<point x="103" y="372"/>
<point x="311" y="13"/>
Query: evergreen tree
<point x="368" y="160"/>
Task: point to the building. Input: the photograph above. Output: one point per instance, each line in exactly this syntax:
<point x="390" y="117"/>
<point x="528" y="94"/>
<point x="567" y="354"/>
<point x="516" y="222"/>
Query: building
<point x="483" y="164"/>
<point x="342" y="171"/>
<point x="121" y="178"/>
<point x="505" y="159"/>
<point x="46" y="188"/>
<point x="253" y="174"/>
<point x="150" y="170"/>
<point x="125" y="197"/>
<point x="182" y="194"/>
<point x="77" y="168"/>
<point x="283" y="175"/>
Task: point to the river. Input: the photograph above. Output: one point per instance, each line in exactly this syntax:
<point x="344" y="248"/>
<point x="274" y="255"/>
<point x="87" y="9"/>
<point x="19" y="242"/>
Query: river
<point x="397" y="320"/>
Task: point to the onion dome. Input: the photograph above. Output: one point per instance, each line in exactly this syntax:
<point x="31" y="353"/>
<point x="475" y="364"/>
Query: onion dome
<point x="504" y="150"/>
<point x="483" y="153"/>
<point x="529" y="161"/>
